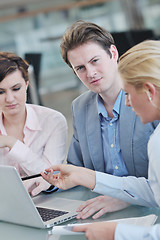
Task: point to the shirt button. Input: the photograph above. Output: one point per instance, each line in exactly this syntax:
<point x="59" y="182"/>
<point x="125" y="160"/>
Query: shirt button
<point x="112" y="145"/>
<point x="116" y="167"/>
<point x="110" y="124"/>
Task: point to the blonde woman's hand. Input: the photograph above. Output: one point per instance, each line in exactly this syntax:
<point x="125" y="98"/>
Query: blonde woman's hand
<point x="69" y="176"/>
<point x="98" y="230"/>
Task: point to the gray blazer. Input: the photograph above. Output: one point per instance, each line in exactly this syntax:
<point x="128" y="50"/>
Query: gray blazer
<point x="86" y="144"/>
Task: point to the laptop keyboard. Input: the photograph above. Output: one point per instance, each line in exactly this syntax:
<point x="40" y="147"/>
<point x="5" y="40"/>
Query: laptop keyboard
<point x="48" y="214"/>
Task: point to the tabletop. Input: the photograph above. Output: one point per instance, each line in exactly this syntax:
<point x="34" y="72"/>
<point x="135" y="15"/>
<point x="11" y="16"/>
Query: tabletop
<point x="16" y="232"/>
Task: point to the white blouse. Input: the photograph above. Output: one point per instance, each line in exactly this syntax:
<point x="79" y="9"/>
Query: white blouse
<point x="45" y="141"/>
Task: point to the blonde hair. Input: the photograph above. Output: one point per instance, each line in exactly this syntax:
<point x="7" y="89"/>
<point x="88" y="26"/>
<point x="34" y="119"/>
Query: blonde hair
<point x="141" y="64"/>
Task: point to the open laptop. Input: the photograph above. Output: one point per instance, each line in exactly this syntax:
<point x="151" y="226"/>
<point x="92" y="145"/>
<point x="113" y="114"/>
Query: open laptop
<point x="17" y="206"/>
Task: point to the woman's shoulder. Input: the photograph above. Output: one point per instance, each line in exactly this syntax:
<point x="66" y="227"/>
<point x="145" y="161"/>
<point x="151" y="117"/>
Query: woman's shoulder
<point x="44" y="112"/>
<point x="154" y="140"/>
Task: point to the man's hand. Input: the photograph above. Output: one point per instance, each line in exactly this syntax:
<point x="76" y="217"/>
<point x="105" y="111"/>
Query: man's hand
<point x="97" y="231"/>
<point x="100" y="205"/>
<point x="35" y="186"/>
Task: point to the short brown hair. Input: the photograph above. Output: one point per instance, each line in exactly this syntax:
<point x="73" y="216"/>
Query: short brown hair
<point x="81" y="32"/>
<point x="10" y="62"/>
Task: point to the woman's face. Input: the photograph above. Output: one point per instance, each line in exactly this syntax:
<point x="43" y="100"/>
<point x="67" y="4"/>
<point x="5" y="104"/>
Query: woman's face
<point x="13" y="93"/>
<point x="140" y="103"/>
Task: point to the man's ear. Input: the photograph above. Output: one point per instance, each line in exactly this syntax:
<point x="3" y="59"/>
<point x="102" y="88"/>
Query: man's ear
<point x="114" y="52"/>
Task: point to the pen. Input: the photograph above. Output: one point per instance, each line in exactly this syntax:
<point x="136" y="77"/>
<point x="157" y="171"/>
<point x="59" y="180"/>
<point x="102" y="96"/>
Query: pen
<point x="33" y="176"/>
<point x="30" y="177"/>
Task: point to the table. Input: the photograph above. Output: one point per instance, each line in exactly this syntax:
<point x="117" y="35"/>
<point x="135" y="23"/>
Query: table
<point x="16" y="232"/>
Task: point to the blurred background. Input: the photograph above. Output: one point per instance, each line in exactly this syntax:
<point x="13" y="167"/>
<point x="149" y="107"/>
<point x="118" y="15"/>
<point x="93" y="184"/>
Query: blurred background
<point x="33" y="29"/>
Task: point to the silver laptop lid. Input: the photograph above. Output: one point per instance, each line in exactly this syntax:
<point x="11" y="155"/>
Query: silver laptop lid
<point x="17" y="206"/>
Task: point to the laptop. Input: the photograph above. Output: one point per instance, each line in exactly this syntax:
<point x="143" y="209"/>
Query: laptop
<point x="17" y="206"/>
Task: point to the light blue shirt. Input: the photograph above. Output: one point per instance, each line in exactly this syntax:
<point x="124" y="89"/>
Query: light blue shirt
<point x="114" y="163"/>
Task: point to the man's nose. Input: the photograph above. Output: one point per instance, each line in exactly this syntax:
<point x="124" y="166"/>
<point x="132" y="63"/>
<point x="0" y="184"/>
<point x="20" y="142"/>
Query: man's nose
<point x="91" y="73"/>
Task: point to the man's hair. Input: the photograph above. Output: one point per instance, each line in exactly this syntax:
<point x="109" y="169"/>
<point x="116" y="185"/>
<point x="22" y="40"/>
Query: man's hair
<point x="10" y="62"/>
<point x="141" y="64"/>
<point x="81" y="32"/>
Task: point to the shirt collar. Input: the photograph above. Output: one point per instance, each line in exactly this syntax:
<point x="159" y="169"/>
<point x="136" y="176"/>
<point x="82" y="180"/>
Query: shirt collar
<point x="2" y="129"/>
<point x="116" y="108"/>
<point x="32" y="121"/>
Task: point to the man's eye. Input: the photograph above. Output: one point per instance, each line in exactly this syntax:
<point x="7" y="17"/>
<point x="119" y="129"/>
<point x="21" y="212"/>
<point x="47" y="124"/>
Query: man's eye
<point x="1" y="92"/>
<point x="80" y="68"/>
<point x="16" y="89"/>
<point x="95" y="60"/>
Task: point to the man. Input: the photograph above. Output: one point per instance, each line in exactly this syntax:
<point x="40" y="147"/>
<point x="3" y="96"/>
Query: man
<point x="108" y="136"/>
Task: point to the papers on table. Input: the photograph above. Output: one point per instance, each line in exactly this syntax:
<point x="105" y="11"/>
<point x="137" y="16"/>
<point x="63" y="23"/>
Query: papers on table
<point x="141" y="221"/>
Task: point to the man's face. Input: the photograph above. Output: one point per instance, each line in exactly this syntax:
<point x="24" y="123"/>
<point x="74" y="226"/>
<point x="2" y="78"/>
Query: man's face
<point x="94" y="67"/>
